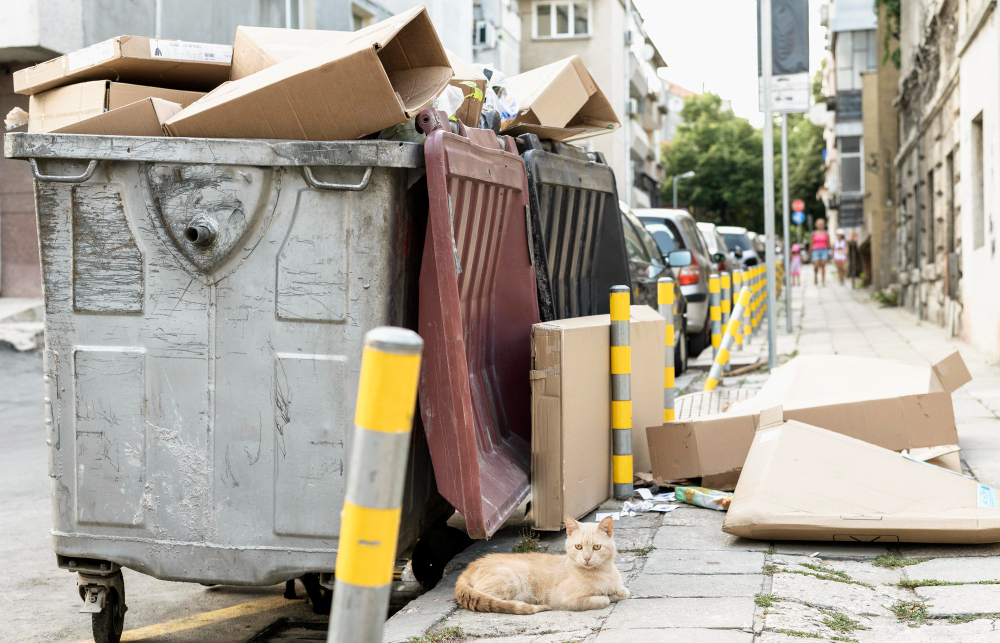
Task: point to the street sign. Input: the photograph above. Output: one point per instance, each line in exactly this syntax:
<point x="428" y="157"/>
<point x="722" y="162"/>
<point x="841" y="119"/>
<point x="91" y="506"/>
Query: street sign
<point x="798" y="217"/>
<point x="798" y="205"/>
<point x="791" y="85"/>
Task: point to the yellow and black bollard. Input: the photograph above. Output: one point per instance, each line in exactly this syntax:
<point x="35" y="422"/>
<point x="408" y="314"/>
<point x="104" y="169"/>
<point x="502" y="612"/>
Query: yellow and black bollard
<point x="369" y="522"/>
<point x="665" y="302"/>
<point x="725" y="284"/>
<point x="737" y="287"/>
<point x="748" y="312"/>
<point x="621" y="394"/>
<point x="715" y="312"/>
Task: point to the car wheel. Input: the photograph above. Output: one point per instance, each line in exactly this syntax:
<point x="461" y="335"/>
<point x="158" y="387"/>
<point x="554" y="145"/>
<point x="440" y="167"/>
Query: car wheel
<point x="681" y="352"/>
<point x="696" y="344"/>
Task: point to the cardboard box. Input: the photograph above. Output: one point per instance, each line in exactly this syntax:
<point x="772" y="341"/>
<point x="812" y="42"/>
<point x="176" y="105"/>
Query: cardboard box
<point x="894" y="405"/>
<point x="472" y="82"/>
<point x="571" y="409"/>
<point x="343" y="90"/>
<point x="58" y="108"/>
<point x="176" y="64"/>
<point x="257" y="48"/>
<point x="561" y="102"/>
<point x="142" y="118"/>
<point x="802" y="482"/>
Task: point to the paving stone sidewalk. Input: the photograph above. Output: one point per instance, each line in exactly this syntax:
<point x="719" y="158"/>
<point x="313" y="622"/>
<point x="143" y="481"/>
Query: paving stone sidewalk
<point x="691" y="582"/>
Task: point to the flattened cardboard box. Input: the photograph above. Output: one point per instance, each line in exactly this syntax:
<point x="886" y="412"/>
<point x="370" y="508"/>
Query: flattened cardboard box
<point x="801" y="482"/>
<point x="571" y="409"/>
<point x="142" y="118"/>
<point x="175" y="64"/>
<point x="353" y="86"/>
<point x="61" y="107"/>
<point x="892" y="404"/>
<point x="560" y="101"/>
<point x="257" y="48"/>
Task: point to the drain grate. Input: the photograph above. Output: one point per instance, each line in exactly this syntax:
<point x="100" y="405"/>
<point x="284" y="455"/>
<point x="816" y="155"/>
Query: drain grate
<point x="709" y="402"/>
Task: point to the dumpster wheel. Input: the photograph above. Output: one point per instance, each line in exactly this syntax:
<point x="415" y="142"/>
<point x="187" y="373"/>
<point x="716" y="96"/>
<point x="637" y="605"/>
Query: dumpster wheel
<point x="108" y="624"/>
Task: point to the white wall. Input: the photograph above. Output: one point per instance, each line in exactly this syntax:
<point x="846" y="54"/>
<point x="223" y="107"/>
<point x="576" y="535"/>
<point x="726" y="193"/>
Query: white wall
<point x="980" y="93"/>
<point x="451" y="18"/>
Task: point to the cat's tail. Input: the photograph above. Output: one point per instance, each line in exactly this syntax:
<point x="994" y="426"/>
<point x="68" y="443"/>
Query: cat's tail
<point x="476" y="601"/>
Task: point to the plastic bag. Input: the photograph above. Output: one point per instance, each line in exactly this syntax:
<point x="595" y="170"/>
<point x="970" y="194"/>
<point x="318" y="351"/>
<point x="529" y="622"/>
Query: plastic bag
<point x="499" y="107"/>
<point x="702" y="497"/>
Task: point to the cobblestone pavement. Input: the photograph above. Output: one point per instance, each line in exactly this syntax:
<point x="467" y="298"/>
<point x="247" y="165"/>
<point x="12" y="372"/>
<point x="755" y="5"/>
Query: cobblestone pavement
<point x="691" y="582"/>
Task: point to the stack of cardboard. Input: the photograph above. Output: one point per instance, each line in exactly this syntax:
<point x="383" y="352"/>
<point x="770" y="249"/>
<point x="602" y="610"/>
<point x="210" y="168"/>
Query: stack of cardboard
<point x="891" y="404"/>
<point x="293" y="84"/>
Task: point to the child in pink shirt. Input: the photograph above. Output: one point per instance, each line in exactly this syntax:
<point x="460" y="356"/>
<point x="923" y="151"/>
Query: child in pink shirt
<point x="795" y="264"/>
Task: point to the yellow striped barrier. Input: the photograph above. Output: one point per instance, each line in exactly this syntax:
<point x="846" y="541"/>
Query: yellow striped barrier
<point x="747" y="320"/>
<point x="621" y="394"/>
<point x="715" y="312"/>
<point x="665" y="303"/>
<point x="732" y="329"/>
<point x="369" y="521"/>
<point x="737" y="287"/>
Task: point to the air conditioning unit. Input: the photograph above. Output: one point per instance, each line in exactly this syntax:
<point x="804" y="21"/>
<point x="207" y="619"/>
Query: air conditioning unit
<point x="632" y="107"/>
<point x="485" y="34"/>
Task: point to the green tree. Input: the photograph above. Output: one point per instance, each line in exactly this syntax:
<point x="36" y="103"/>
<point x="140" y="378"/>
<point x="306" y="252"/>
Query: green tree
<point x="726" y="154"/>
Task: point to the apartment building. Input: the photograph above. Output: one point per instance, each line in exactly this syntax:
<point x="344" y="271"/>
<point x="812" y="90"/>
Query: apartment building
<point x="595" y="30"/>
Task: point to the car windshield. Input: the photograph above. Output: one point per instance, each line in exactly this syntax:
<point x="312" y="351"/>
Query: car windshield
<point x="663" y="236"/>
<point x="735" y="240"/>
<point x="655" y="254"/>
<point x="711" y="240"/>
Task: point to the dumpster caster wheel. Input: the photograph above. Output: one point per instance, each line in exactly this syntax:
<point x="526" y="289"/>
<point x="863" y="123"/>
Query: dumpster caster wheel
<point x="109" y="623"/>
<point x="320" y="597"/>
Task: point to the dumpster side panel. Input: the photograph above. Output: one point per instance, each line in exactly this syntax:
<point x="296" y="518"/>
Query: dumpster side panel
<point x="198" y="410"/>
<point x="478" y="301"/>
<point x="574" y="206"/>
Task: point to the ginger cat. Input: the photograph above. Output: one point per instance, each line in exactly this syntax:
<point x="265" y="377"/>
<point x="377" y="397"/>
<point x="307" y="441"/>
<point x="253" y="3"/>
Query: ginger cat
<point x="585" y="578"/>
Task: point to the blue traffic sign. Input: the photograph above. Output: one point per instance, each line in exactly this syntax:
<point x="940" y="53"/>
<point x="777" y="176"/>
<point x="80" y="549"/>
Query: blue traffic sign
<point x="798" y="217"/>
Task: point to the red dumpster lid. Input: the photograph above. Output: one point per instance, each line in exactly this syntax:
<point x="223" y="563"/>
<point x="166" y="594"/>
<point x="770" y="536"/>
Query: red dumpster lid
<point x="478" y="301"/>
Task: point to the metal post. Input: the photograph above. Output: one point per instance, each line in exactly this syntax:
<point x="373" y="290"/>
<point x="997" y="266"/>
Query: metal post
<point x="665" y="301"/>
<point x="369" y="521"/>
<point x="766" y="56"/>
<point x="715" y="312"/>
<point x="786" y="219"/>
<point x="732" y="332"/>
<point x="737" y="287"/>
<point x="725" y="284"/>
<point x="676" y="178"/>
<point x="627" y="125"/>
<point x="621" y="394"/>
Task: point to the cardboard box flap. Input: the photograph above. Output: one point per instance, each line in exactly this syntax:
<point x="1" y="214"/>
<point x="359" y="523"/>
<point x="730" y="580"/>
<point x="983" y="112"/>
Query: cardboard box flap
<point x="257" y="48"/>
<point x="801" y="482"/>
<point x="135" y="59"/>
<point x="142" y="118"/>
<point x="952" y="372"/>
<point x="815" y="380"/>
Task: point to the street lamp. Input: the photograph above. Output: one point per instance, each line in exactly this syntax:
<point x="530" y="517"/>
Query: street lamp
<point x="678" y="177"/>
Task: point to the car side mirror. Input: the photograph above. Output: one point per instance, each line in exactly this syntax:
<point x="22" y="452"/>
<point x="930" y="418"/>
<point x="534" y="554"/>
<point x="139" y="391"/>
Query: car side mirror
<point x="718" y="257"/>
<point x="679" y="258"/>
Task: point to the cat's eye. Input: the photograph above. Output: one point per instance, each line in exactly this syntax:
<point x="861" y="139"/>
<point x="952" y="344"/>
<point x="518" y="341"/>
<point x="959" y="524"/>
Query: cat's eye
<point x="579" y="546"/>
<point x="596" y="547"/>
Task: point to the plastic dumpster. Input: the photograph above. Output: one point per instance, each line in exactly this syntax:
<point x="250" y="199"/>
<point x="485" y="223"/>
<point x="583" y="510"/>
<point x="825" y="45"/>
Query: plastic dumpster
<point x="205" y="304"/>
<point x="478" y="301"/>
<point x="576" y="227"/>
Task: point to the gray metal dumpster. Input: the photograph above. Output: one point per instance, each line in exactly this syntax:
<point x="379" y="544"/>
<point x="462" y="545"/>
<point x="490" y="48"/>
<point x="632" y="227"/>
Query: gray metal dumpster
<point x="205" y="303"/>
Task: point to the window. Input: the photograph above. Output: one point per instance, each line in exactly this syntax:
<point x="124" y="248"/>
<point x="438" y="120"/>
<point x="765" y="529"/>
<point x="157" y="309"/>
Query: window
<point x="857" y="52"/>
<point x="850" y="163"/>
<point x="360" y="17"/>
<point x="663" y="236"/>
<point x="978" y="209"/>
<point x="562" y="19"/>
<point x="633" y="244"/>
<point x="652" y="249"/>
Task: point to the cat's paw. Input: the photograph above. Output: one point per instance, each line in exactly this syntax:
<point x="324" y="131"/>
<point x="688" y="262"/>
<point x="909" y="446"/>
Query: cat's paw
<point x="619" y="595"/>
<point x="598" y="602"/>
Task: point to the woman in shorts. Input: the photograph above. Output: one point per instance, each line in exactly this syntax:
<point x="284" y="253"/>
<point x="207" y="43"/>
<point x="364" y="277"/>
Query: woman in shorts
<point x="840" y="255"/>
<point x="820" y="251"/>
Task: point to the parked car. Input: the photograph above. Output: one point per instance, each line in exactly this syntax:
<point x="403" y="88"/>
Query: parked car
<point x="740" y="246"/>
<point x="717" y="245"/>
<point x="758" y="242"/>
<point x="676" y="230"/>
<point x="648" y="265"/>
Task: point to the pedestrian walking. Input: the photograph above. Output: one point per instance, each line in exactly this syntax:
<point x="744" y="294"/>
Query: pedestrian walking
<point x="840" y="255"/>
<point x="820" y="251"/>
<point x="795" y="264"/>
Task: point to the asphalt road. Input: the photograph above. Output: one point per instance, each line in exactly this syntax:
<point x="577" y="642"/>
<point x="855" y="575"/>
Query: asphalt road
<point x="41" y="601"/>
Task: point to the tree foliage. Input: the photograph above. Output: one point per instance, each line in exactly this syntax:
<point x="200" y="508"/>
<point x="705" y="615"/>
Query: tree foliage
<point x="890" y="30"/>
<point x="726" y="154"/>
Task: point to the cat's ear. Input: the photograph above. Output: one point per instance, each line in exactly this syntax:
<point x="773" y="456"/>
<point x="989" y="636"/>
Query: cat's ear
<point x="607" y="526"/>
<point x="571" y="525"/>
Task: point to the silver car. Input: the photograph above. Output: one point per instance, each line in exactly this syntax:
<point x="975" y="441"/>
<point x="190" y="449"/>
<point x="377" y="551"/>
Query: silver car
<point x="741" y="248"/>
<point x="717" y="244"/>
<point x="676" y="230"/>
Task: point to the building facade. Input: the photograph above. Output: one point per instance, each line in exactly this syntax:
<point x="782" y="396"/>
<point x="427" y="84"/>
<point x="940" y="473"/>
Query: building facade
<point x="852" y="51"/>
<point x="496" y="35"/>
<point x="594" y="30"/>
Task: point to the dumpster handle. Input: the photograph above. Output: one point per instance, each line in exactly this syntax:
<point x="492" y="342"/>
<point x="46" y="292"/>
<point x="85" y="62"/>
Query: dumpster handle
<point x="63" y="179"/>
<point x="323" y="185"/>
